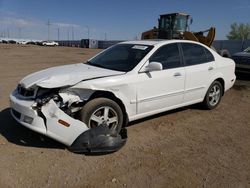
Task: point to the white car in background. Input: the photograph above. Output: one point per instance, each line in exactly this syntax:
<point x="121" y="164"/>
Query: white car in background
<point x="22" y="42"/>
<point x="50" y="43"/>
<point x="126" y="82"/>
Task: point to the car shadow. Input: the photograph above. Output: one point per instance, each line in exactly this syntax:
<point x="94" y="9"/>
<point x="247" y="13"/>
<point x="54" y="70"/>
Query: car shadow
<point x="243" y="76"/>
<point x="20" y="135"/>
<point x="194" y="106"/>
<point x="242" y="81"/>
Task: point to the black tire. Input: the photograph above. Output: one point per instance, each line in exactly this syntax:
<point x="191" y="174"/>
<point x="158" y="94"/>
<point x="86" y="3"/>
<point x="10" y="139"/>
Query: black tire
<point x="213" y="96"/>
<point x="97" y="107"/>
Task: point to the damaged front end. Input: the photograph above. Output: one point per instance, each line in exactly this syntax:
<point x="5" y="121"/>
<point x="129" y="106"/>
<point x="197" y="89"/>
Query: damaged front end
<point x="53" y="112"/>
<point x="67" y="101"/>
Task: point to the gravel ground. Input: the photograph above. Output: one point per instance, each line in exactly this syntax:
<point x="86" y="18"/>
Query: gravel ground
<point x="188" y="147"/>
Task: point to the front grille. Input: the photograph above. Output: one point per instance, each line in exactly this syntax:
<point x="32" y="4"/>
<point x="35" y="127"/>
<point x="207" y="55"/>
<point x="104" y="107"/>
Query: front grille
<point x="25" y="92"/>
<point x="16" y="114"/>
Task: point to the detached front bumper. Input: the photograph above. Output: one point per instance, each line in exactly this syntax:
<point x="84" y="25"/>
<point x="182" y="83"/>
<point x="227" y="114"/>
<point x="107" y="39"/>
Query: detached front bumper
<point x="22" y="112"/>
<point x="47" y="121"/>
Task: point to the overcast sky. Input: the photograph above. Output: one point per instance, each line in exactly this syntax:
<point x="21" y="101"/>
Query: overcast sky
<point x="112" y="18"/>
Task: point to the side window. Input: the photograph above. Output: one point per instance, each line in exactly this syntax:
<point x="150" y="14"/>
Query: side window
<point x="210" y="56"/>
<point x="195" y="54"/>
<point x="168" y="56"/>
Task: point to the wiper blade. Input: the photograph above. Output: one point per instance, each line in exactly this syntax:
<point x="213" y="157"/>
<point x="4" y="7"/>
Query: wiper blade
<point x="95" y="65"/>
<point x="88" y="62"/>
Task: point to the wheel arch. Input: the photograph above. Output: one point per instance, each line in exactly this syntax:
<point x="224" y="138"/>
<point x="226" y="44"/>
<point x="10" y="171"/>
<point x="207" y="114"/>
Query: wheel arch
<point x="111" y="96"/>
<point x="221" y="80"/>
<point x="206" y="103"/>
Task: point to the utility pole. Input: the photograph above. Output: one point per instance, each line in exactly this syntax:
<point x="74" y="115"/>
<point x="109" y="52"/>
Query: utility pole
<point x="105" y="36"/>
<point x="8" y="33"/>
<point x="19" y="33"/>
<point x="88" y="31"/>
<point x="73" y="34"/>
<point x="58" y="34"/>
<point x="48" y="29"/>
<point x="68" y="37"/>
<point x="68" y="34"/>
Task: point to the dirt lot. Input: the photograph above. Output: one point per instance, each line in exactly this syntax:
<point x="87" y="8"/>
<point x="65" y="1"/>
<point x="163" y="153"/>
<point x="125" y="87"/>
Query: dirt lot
<point x="188" y="147"/>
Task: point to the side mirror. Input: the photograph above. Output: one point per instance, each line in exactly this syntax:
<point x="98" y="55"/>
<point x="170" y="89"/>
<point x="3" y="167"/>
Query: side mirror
<point x="153" y="66"/>
<point x="191" y="21"/>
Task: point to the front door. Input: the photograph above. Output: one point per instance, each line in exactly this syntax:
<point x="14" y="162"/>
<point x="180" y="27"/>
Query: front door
<point x="164" y="89"/>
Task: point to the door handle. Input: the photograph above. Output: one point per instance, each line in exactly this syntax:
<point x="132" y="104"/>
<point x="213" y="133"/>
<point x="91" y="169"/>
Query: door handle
<point x="177" y="74"/>
<point x="210" y="68"/>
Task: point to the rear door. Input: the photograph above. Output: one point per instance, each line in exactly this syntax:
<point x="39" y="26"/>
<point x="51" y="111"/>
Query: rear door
<point x="199" y="67"/>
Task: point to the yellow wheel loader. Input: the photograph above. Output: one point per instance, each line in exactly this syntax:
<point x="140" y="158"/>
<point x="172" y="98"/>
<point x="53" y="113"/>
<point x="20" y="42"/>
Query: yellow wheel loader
<point x="176" y="26"/>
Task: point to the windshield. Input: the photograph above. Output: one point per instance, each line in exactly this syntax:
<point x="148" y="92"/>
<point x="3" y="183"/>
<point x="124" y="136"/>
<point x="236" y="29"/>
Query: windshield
<point x="178" y="23"/>
<point x="165" y="23"/>
<point x="121" y="57"/>
<point x="247" y="50"/>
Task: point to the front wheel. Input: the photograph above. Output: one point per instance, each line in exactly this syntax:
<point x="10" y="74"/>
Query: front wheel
<point x="102" y="111"/>
<point x="213" y="96"/>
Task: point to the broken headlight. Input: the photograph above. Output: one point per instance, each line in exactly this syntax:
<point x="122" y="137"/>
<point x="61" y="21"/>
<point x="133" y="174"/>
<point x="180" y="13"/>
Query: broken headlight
<point x="24" y="91"/>
<point x="44" y="95"/>
<point x="68" y="102"/>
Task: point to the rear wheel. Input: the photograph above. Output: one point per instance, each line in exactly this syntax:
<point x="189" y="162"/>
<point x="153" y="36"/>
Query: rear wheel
<point x="102" y="111"/>
<point x="213" y="96"/>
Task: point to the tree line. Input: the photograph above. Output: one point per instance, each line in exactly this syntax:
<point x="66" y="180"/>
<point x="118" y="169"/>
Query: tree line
<point x="239" y="31"/>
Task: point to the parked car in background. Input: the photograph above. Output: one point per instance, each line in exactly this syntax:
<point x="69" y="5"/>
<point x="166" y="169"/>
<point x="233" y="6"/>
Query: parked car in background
<point x="12" y="42"/>
<point x="50" y="43"/>
<point x="31" y="42"/>
<point x="22" y="42"/>
<point x="5" y="41"/>
<point x="129" y="81"/>
<point x="242" y="60"/>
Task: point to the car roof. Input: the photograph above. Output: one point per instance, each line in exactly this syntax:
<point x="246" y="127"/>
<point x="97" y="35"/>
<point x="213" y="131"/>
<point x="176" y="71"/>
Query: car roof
<point x="156" y="42"/>
<point x="144" y="42"/>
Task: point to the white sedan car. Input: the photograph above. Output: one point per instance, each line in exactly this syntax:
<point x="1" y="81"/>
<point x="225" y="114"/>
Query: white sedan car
<point x="22" y="42"/>
<point x="126" y="82"/>
<point x="50" y="43"/>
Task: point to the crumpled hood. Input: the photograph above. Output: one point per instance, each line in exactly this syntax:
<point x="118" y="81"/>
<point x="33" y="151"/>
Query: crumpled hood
<point x="66" y="75"/>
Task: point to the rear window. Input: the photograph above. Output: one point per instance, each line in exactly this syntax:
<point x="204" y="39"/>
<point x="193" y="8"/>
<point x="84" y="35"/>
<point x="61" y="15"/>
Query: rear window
<point x="196" y="54"/>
